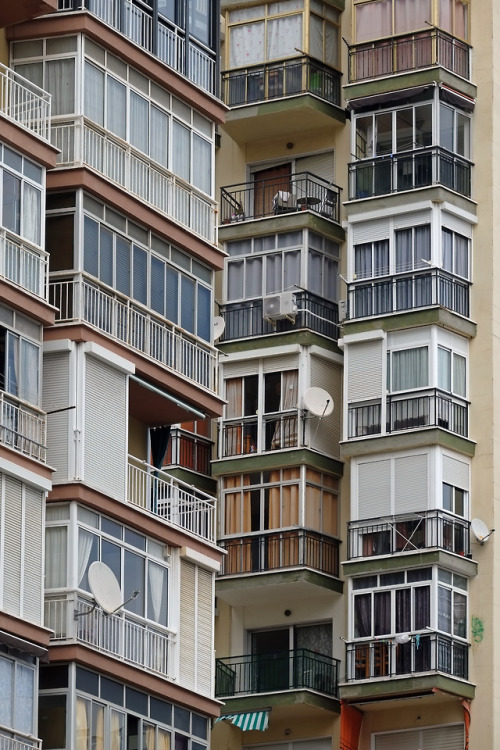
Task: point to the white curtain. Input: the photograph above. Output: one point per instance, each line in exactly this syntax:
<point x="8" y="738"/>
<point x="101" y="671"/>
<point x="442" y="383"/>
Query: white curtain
<point x="274" y="282"/>
<point x="403" y="250"/>
<point x="447" y="249"/>
<point x="60" y="82"/>
<point x="410" y="369"/>
<point x="202" y="158"/>
<point x="181" y="160"/>
<point x="459" y="375"/>
<point x="82" y="723"/>
<point x="234" y="390"/>
<point x="159" y="136"/>
<point x="444" y="369"/>
<point x="94" y="94"/>
<point x="157" y="581"/>
<point x="235" y="278"/>
<point x="149" y="737"/>
<point x="253" y="277"/>
<point x="373" y="20"/>
<point x="117" y="730"/>
<point x="56" y="557"/>
<point x="32" y="223"/>
<point x="139" y="122"/>
<point x="291" y="275"/>
<point x="246" y="45"/>
<point x="29" y="377"/>
<point x="363" y="260"/>
<point x="381" y="258"/>
<point x="410" y="15"/>
<point x="284" y="37"/>
<point x="290" y="390"/>
<point x="85" y="540"/>
<point x="116" y="107"/>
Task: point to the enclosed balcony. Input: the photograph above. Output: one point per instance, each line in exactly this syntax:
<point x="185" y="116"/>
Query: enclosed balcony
<point x="432" y="408"/>
<point x="291" y="77"/>
<point x="409" y="170"/>
<point x="170" y="499"/>
<point x="121" y="635"/>
<point x="280" y="550"/>
<point x="408" y="291"/>
<point x="280" y="195"/>
<point x="79" y="301"/>
<point x="408" y="654"/>
<point x="406" y="533"/>
<point x="24" y="103"/>
<point x="277" y="672"/>
<point x="404" y="53"/>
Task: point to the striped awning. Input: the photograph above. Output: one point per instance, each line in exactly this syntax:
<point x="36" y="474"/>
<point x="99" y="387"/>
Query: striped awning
<point x="248" y="721"/>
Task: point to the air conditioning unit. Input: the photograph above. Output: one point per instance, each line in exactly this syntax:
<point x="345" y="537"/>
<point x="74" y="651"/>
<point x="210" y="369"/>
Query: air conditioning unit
<point x="279" y="306"/>
<point x="343" y="309"/>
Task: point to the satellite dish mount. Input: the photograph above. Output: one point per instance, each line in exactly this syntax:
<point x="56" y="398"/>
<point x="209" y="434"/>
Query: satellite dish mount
<point x="105" y="590"/>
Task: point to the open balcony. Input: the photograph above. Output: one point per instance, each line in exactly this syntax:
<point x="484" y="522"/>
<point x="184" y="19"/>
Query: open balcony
<point x="159" y="37"/>
<point x="407" y="655"/>
<point x="23" y="428"/>
<point x="409" y="170"/>
<point x="303" y="191"/>
<point x="10" y="740"/>
<point x="120" y="635"/>
<point x="189" y="451"/>
<point x="406" y="533"/>
<point x="171" y="500"/>
<point x="78" y="300"/>
<point x="24" y="103"/>
<point x="292" y="77"/>
<point x="431" y="408"/>
<point x="402" y="54"/>
<point x="81" y="145"/>
<point x="246" y="319"/>
<point x="408" y="291"/>
<point x="248" y="435"/>
<point x="278" y="672"/>
<point x="24" y="266"/>
<point x="280" y="550"/>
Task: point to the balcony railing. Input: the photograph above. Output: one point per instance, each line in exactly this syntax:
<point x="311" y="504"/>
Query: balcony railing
<point x="303" y="191"/>
<point x="252" y="435"/>
<point x="120" y="635"/>
<point x="251" y="674"/>
<point x="433" y="408"/>
<point x="24" y="103"/>
<point x="408" y="291"/>
<point x="409" y="52"/>
<point x="120" y="163"/>
<point x="409" y="170"/>
<point x="278" y="550"/>
<point x="171" y="499"/>
<point x="408" y="532"/>
<point x="10" y="740"/>
<point x="189" y="452"/>
<point x="164" y="40"/>
<point x="300" y="75"/>
<point x="245" y="319"/>
<point x="24" y="266"/>
<point x="22" y="428"/>
<point x="78" y="300"/>
<point x="424" y="652"/>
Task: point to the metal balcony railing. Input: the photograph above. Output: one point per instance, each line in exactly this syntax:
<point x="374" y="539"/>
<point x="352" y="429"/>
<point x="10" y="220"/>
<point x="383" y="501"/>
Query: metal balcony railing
<point x="424" y="652"/>
<point x="79" y="300"/>
<point x="401" y="54"/>
<point x="408" y="532"/>
<point x="245" y="319"/>
<point x="299" y="75"/>
<point x="171" y="499"/>
<point x="408" y="291"/>
<point x="163" y="39"/>
<point x="433" y="408"/>
<point x="18" y="742"/>
<point x="23" y="428"/>
<point x="281" y="671"/>
<point x="303" y="191"/>
<point x="409" y="170"/>
<point x="253" y="435"/>
<point x="120" y="635"/>
<point x="120" y="163"/>
<point x="24" y="266"/>
<point x="24" y="103"/>
<point x="189" y="451"/>
<point x="278" y="550"/>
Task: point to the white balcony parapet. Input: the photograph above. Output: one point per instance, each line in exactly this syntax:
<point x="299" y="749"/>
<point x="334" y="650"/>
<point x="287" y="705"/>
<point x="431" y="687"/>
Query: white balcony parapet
<point x="22" y="427"/>
<point x="120" y="318"/>
<point x="81" y="145"/>
<point x="120" y="635"/>
<point x="174" y="501"/>
<point x="24" y="266"/>
<point x="25" y="103"/>
<point x="19" y="742"/>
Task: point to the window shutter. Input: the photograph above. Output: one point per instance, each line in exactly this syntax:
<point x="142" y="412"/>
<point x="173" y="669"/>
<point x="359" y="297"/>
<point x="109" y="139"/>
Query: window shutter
<point x="456" y="472"/>
<point x="187" y="628"/>
<point x="457" y="225"/>
<point x="33" y="545"/>
<point x="411" y="484"/>
<point x="374" y="489"/>
<point x="398" y="741"/>
<point x="404" y="221"/>
<point x="196" y="628"/>
<point x="321" y="165"/>
<point x="444" y="738"/>
<point x="371" y="231"/>
<point x="204" y="620"/>
<point x="364" y="367"/>
<point x="275" y="364"/>
<point x="56" y="395"/>
<point x="12" y="544"/>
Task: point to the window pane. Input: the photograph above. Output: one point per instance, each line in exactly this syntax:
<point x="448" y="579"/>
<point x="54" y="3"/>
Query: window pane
<point x="284" y="36"/>
<point x="187" y="304"/>
<point x="158" y="285"/>
<point x="202" y="159"/>
<point x="94" y="94"/>
<point x="11" y="202"/>
<point x="273" y="274"/>
<point x="180" y="151"/>
<point x="133" y="580"/>
<point x="459" y="385"/>
<point x="32" y="222"/>
<point x="382" y="613"/>
<point x="448" y="497"/>
<point x="444" y="609"/>
<point x="172" y="295"/>
<point x="29" y="374"/>
<point x="159" y="136"/>
<point x="116" y="107"/>
<point x="139" y="122"/>
<point x="123" y="266"/>
<point x="410" y="369"/>
<point x="106" y="256"/>
<point x="60" y="82"/>
<point x="362" y="616"/>
<point x="446" y="139"/>
<point x="24" y="699"/>
<point x="140" y="274"/>
<point x="253" y="277"/>
<point x="246" y="45"/>
<point x="91" y="246"/>
<point x="56" y="557"/>
<point x="204" y="316"/>
<point x="444" y="369"/>
<point x="459" y="615"/>
<point x="235" y="280"/>
<point x="411" y="16"/>
<point x="157" y="593"/>
<point x="373" y="19"/>
<point x="422" y="598"/>
<point x="6" y="691"/>
<point x="52" y="721"/>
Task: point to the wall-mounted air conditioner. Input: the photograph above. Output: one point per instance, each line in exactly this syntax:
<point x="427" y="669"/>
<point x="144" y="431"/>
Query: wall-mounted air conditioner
<point x="279" y="306"/>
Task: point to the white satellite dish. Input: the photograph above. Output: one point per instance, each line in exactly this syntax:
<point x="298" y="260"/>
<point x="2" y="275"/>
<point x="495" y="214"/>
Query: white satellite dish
<point x="105" y="587"/>
<point x="318" y="402"/>
<point x="480" y="530"/>
<point x="219" y="326"/>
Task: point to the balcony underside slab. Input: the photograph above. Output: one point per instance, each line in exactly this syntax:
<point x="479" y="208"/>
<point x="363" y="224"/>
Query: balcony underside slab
<point x="277" y="460"/>
<point x="268" y="587"/>
<point x="435" y="194"/>
<point x="439" y="316"/>
<point x="287" y="704"/>
<point x="430" y="685"/>
<point x="401" y="441"/>
<point x="239" y="230"/>
<point x="459" y="564"/>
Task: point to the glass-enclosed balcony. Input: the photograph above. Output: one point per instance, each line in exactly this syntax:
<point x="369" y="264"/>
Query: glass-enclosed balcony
<point x="408" y="291"/>
<point x="291" y="77"/>
<point x="407" y="52"/>
<point x="426" y="408"/>
<point x="246" y="319"/>
<point x="24" y="103"/>
<point x="77" y="299"/>
<point x="405" y="655"/>
<point x="280" y="550"/>
<point x="281" y="671"/>
<point x="409" y="170"/>
<point x="408" y="532"/>
<point x="275" y="196"/>
<point x="159" y="36"/>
